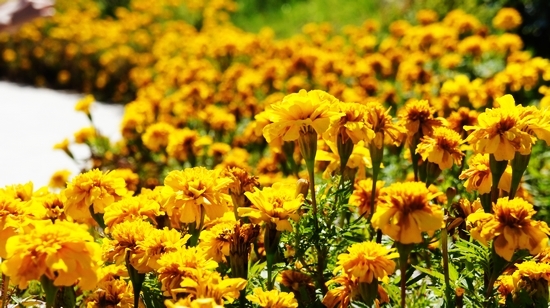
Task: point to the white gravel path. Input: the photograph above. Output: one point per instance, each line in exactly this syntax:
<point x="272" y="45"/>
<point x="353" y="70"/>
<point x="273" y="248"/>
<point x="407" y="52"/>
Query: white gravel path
<point x="32" y="120"/>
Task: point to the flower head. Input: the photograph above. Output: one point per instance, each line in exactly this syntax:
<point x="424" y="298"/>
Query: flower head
<point x="209" y="284"/>
<point x="367" y="261"/>
<point x="403" y="212"/>
<point x="276" y="205"/>
<point x="507" y="19"/>
<point x="273" y="299"/>
<point x="500" y="131"/>
<point x="62" y="251"/>
<point x="299" y="110"/>
<point x="385" y="130"/>
<point x="442" y="147"/>
<point x="417" y="117"/>
<point x="361" y="196"/>
<point x="511" y="227"/>
<point x="132" y="208"/>
<point x="478" y="175"/>
<point x="84" y="104"/>
<point x="59" y="179"/>
<point x="193" y="190"/>
<point x="352" y="125"/>
<point x="92" y="188"/>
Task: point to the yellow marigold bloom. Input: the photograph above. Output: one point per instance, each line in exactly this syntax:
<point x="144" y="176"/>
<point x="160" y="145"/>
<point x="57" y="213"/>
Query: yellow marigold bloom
<point x="295" y="280"/>
<point x="273" y="299"/>
<point x="510" y="227"/>
<point x="59" y="179"/>
<point x="505" y="286"/>
<point x="133" y="208"/>
<point x="403" y="212"/>
<point x="299" y="110"/>
<point x="441" y="148"/>
<point x="183" y="144"/>
<point x="478" y="175"/>
<point x="126" y="239"/>
<point x="352" y="125"/>
<point x="63" y="145"/>
<point x="361" y="195"/>
<point x="500" y="131"/>
<point x="385" y="130"/>
<point x="13" y="215"/>
<point x="532" y="270"/>
<point x="176" y="265"/>
<point x="84" y="134"/>
<point x="209" y="284"/>
<point x="193" y="190"/>
<point x="130" y="178"/>
<point x="507" y="19"/>
<point x="156" y="136"/>
<point x="216" y="240"/>
<point x="84" y="104"/>
<point x="197" y="303"/>
<point x="276" y="205"/>
<point x="54" y="206"/>
<point x="418" y="117"/>
<point x="462" y="117"/>
<point x="92" y="188"/>
<point x="159" y="242"/>
<point x="64" y="252"/>
<point x="426" y="17"/>
<point x="112" y="272"/>
<point x="22" y="192"/>
<point x="111" y="294"/>
<point x="359" y="159"/>
<point x="367" y="261"/>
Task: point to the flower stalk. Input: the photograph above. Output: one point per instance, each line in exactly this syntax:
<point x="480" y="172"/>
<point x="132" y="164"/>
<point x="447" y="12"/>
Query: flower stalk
<point x="519" y="165"/>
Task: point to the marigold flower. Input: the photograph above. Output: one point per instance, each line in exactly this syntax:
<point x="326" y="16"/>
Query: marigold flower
<point x="505" y="286"/>
<point x="59" y="179"/>
<point x="478" y="175"/>
<point x="84" y="104"/>
<point x="85" y="134"/>
<point x="175" y="266"/>
<point x="156" y="136"/>
<point x="442" y="147"/>
<point x="64" y="252"/>
<point x="359" y="160"/>
<point x="126" y="237"/>
<point x="367" y="261"/>
<point x="361" y="196"/>
<point x="295" y="280"/>
<point x="159" y="242"/>
<point x="112" y="293"/>
<point x="417" y="117"/>
<point x="462" y="117"/>
<point x="54" y="206"/>
<point x="130" y="178"/>
<point x="342" y="295"/>
<point x="299" y="110"/>
<point x="507" y="19"/>
<point x="403" y="212"/>
<point x="511" y="227"/>
<point x="92" y="188"/>
<point x="500" y="131"/>
<point x="384" y="128"/>
<point x="193" y="190"/>
<point x="276" y="205"/>
<point x="352" y="125"/>
<point x="273" y="299"/>
<point x="211" y="285"/>
<point x="532" y="270"/>
<point x="196" y="303"/>
<point x="132" y="208"/>
<point x="216" y="240"/>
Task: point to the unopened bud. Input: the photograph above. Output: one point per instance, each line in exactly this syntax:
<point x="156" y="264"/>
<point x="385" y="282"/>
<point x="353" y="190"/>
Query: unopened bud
<point x="302" y="187"/>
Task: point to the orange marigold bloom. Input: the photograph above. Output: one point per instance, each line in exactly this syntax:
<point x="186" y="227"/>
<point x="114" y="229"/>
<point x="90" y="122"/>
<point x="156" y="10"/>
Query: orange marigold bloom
<point x="59" y="179"/>
<point x="92" y="188"/>
<point x="62" y="251"/>
<point x="209" y="284"/>
<point x="84" y="104"/>
<point x="299" y="110"/>
<point x="132" y="208"/>
<point x="367" y="261"/>
<point x="352" y="125"/>
<point x="385" y="130"/>
<point x="403" y="212"/>
<point x="441" y="148"/>
<point x="156" y="136"/>
<point x="511" y="227"/>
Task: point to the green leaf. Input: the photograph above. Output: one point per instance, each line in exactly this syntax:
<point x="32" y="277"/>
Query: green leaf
<point x="437" y="275"/>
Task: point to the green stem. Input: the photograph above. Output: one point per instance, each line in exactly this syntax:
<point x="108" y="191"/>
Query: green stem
<point x="486" y="202"/>
<point x="196" y="232"/>
<point x="136" y="278"/>
<point x="404" y="252"/>
<point x="445" y="251"/>
<point x="497" y="170"/>
<point x="270" y="259"/>
<point x="51" y="291"/>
